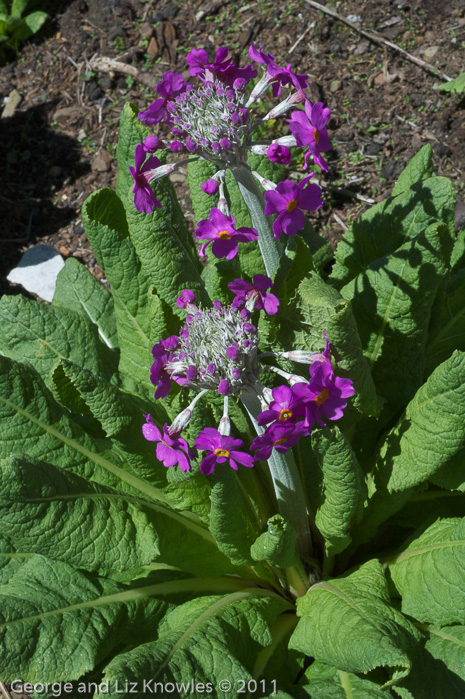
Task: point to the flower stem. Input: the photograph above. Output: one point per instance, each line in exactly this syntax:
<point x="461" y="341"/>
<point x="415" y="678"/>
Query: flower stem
<point x="286" y="481"/>
<point x="251" y="193"/>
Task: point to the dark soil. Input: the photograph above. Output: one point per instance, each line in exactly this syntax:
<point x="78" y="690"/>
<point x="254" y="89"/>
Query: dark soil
<point x="59" y="144"/>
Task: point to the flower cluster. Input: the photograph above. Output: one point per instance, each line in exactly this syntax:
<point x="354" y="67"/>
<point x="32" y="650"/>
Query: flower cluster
<point x="217" y="350"/>
<point x="211" y="118"/>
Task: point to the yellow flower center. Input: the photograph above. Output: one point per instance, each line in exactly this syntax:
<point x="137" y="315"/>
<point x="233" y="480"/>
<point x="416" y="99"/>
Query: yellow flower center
<point x="224" y="235"/>
<point x="316" y="135"/>
<point x="290" y="206"/>
<point x="284" y="415"/>
<point x="322" y="397"/>
<point x="222" y="452"/>
<point x="280" y="441"/>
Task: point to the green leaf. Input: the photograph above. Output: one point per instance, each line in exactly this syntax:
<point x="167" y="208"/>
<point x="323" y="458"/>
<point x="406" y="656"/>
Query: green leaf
<point x="434" y="671"/>
<point x="349" y="624"/>
<point x="431" y="432"/>
<point x="336" y="488"/>
<point x="197" y="172"/>
<point x="392" y="302"/>
<point x="447" y="332"/>
<point x="391" y="224"/>
<point x="322" y="309"/>
<point x="18" y="7"/>
<point x="106" y="228"/>
<point x="48" y="511"/>
<point x="233" y="521"/>
<point x="277" y="545"/>
<point x="419" y="168"/>
<point x="131" y="133"/>
<point x="457" y="85"/>
<point x="77" y="290"/>
<point x="41" y="335"/>
<point x="325" y="682"/>
<point x="46" y="603"/>
<point x="447" y="645"/>
<point x="203" y="641"/>
<point x="35" y="20"/>
<point x="437" y="559"/>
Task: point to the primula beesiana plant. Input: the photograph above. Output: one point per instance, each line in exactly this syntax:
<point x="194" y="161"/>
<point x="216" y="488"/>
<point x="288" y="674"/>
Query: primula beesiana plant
<point x="239" y="472"/>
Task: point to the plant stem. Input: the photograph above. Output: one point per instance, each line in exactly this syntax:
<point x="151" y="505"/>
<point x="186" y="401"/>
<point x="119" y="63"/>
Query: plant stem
<point x="287" y="484"/>
<point x="251" y="193"/>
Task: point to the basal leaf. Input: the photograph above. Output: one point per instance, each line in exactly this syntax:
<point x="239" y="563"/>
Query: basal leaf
<point x="197" y="172"/>
<point x="434" y="673"/>
<point x="448" y="331"/>
<point x="349" y="624"/>
<point x="79" y="291"/>
<point x="325" y="682"/>
<point x="106" y="227"/>
<point x="419" y="168"/>
<point x="336" y="488"/>
<point x="389" y="225"/>
<point x="429" y="574"/>
<point x="131" y="133"/>
<point x="204" y="640"/>
<point x="392" y="302"/>
<point x="42" y="335"/>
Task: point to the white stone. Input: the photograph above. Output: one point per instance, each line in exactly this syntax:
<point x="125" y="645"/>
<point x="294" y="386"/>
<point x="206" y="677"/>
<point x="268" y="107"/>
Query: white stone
<point x="37" y="271"/>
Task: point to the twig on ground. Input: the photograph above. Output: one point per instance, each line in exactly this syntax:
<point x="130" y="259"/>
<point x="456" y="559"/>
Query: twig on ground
<point x="380" y="40"/>
<point x="5" y="693"/>
<point x="339" y="220"/>
<point x="310" y="26"/>
<point x="110" y="65"/>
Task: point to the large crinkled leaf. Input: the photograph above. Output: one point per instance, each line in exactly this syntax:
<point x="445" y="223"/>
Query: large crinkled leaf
<point x="448" y="331"/>
<point x="429" y="574"/>
<point x="56" y="624"/>
<point x="106" y="227"/>
<point x="46" y="510"/>
<point x="389" y="225"/>
<point x="10" y="560"/>
<point x="79" y="291"/>
<point x="435" y="672"/>
<point x="447" y="644"/>
<point x="204" y="640"/>
<point x="419" y="168"/>
<point x="348" y="623"/>
<point x="325" y="682"/>
<point x="323" y="310"/>
<point x="166" y="249"/>
<point x="336" y="488"/>
<point x="41" y="335"/>
<point x="36" y="425"/>
<point x="198" y="172"/>
<point x="431" y="432"/>
<point x="392" y="302"/>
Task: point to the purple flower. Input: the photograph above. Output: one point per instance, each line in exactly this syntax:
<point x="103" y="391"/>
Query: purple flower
<point x="282" y="409"/>
<point x="309" y="129"/>
<point x="171" y="450"/>
<point x="222" y="68"/>
<point x="210" y="186"/>
<point x="144" y="199"/>
<point x="171" y="85"/>
<point x="219" y="229"/>
<point x="151" y="144"/>
<point x="221" y="449"/>
<point x="280" y="76"/>
<point x="289" y="200"/>
<point x="280" y="437"/>
<point x="187" y="297"/>
<point x="325" y="394"/>
<point x="159" y="375"/>
<point x="254" y="295"/>
<point x="279" y="154"/>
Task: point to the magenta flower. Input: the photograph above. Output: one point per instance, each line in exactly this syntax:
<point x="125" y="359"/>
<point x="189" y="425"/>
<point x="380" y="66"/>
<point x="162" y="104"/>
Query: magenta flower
<point x="144" y="198"/>
<point x="279" y="154"/>
<point x="288" y="200"/>
<point x="171" y="450"/>
<point x="222" y="68"/>
<point x="309" y="129"/>
<point x="171" y="85"/>
<point x="254" y="296"/>
<point x="219" y="230"/>
<point x="283" y="408"/>
<point x="222" y="449"/>
<point x="187" y="296"/>
<point x="280" y="437"/>
<point x="280" y="76"/>
<point x="210" y="186"/>
<point x="159" y="375"/>
<point x="325" y="394"/>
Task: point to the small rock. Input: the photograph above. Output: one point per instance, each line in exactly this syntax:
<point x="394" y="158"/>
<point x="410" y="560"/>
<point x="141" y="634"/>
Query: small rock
<point x="177" y="177"/>
<point x="153" y="49"/>
<point x="430" y="52"/>
<point x="362" y="48"/>
<point x="66" y="113"/>
<point x="335" y="85"/>
<point x="146" y="29"/>
<point x="416" y="142"/>
<point x="102" y="162"/>
<point x="37" y="271"/>
<point x="55" y="171"/>
<point x="380" y="79"/>
<point x="356" y="19"/>
<point x="63" y="251"/>
<point x="14" y="99"/>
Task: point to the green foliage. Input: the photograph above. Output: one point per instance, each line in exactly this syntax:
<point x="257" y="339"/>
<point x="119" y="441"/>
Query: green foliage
<point x="15" y="25"/>
<point x="457" y="85"/>
<point x="115" y="568"/>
